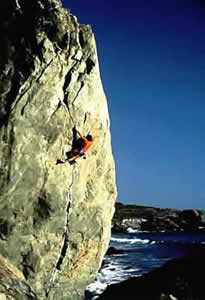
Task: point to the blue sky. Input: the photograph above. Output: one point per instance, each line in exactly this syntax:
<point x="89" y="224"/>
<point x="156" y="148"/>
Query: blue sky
<point x="152" y="63"/>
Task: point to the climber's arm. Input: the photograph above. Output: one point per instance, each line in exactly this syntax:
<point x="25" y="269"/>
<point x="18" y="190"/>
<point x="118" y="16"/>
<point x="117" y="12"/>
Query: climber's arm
<point x="82" y="137"/>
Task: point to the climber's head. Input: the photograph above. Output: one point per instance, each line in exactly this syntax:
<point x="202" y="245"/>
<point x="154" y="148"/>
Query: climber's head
<point x="89" y="137"/>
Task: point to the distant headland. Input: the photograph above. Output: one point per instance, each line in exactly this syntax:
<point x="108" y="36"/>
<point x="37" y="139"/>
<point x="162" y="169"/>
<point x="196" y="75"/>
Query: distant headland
<point x="145" y="218"/>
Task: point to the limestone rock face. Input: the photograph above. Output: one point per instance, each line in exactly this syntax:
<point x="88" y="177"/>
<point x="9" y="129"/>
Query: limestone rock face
<point x="55" y="220"/>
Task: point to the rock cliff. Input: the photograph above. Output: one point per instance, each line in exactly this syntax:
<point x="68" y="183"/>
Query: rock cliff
<point x="55" y="220"/>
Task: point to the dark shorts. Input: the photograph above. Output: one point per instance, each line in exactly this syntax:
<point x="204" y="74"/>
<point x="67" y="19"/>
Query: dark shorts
<point x="81" y="153"/>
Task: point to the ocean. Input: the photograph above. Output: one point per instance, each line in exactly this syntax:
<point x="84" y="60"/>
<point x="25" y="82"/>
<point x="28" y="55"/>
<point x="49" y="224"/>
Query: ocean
<point x="142" y="252"/>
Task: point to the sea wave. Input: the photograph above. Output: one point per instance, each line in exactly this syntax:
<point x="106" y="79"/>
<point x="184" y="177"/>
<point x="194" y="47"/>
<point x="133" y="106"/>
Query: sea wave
<point x="97" y="287"/>
<point x="110" y="273"/>
<point x="131" y="230"/>
<point x="141" y="253"/>
<point x="131" y="240"/>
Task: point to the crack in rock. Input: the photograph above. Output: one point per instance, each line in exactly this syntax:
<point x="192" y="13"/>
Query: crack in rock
<point x="81" y="86"/>
<point x="65" y="241"/>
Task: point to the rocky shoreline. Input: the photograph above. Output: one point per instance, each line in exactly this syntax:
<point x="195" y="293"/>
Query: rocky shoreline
<point x="152" y="219"/>
<point x="178" y="279"/>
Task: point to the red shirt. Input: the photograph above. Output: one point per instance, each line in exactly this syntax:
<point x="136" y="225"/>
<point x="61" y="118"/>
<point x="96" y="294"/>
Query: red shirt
<point x="87" y="144"/>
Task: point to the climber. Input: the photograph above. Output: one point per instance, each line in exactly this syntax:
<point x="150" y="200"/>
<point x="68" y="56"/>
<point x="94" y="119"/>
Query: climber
<point x="79" y="147"/>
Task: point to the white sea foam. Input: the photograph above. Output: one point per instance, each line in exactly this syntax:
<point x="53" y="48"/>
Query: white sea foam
<point x="124" y="254"/>
<point x="97" y="287"/>
<point x="131" y="230"/>
<point x="131" y="241"/>
<point x="132" y="270"/>
<point x="112" y="272"/>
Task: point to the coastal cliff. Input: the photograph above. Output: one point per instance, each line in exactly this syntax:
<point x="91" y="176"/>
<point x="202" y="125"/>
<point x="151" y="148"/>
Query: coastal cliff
<point x="55" y="220"/>
<point x="156" y="219"/>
